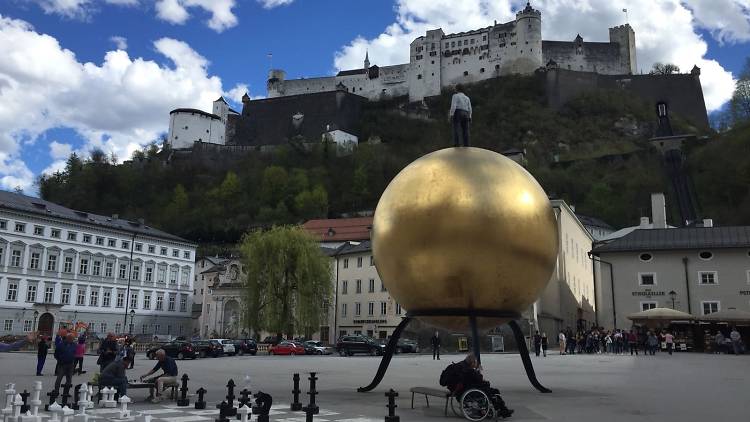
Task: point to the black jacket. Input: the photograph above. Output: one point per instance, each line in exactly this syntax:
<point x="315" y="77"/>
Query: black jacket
<point x="42" y="349"/>
<point x="435" y="341"/>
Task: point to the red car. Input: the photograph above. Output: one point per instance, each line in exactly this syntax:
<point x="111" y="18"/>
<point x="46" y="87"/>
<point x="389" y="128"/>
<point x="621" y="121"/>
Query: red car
<point x="286" y="348"/>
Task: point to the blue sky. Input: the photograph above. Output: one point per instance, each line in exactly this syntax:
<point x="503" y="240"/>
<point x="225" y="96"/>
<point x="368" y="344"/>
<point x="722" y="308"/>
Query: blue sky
<point x="64" y="86"/>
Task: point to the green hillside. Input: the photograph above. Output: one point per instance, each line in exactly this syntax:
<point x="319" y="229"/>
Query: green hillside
<point x="593" y="152"/>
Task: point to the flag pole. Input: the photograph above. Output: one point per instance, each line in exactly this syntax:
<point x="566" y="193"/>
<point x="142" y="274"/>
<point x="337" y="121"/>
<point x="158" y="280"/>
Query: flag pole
<point x="627" y="20"/>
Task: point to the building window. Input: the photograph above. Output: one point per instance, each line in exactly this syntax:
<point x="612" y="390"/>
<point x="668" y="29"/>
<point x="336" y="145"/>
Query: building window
<point x="54" y="233"/>
<point x="31" y="293"/>
<point x="3" y="225"/>
<point x="173" y="276"/>
<point x="382" y="286"/>
<point x="149" y="274"/>
<point x="106" y="298"/>
<point x="481" y="70"/>
<point x="419" y="76"/>
<point x="49" y="294"/>
<point x="343" y="310"/>
<point x="34" y="262"/>
<point x="372" y="260"/>
<point x="706" y="255"/>
<point x="647" y="279"/>
<point x="109" y="267"/>
<point x="120" y="299"/>
<point x="645" y="306"/>
<point x="186" y="254"/>
<point x="466" y="73"/>
<point x="136" y="272"/>
<point x="146" y="301"/>
<point x="8" y="325"/>
<point x="160" y="302"/>
<point x="65" y="296"/>
<point x="15" y="258"/>
<point x="86" y="238"/>
<point x="359" y="262"/>
<point x="345" y="286"/>
<point x="84" y="267"/>
<point x="183" y="303"/>
<point x="707" y="277"/>
<point x="357" y="309"/>
<point x="383" y="308"/>
<point x="151" y="249"/>
<point x="99" y="241"/>
<point x="133" y="300"/>
<point x="371" y="287"/>
<point x="125" y="244"/>
<point x="645" y="257"/>
<point x="346" y="262"/>
<point x="72" y="236"/>
<point x="27" y="325"/>
<point x="171" y="303"/>
<point x="175" y="253"/>
<point x="371" y="308"/>
<point x="21" y="227"/>
<point x="94" y="298"/>
<point x="52" y="263"/>
<point x="103" y="327"/>
<point x="144" y="329"/>
<point x="398" y="309"/>
<point x="710" y="307"/>
<point x="163" y="251"/>
<point x="112" y="243"/>
<point x="139" y="247"/>
<point x="118" y="327"/>
<point x="162" y="275"/>
<point x="39" y="230"/>
<point x="748" y="276"/>
<point x="184" y="277"/>
<point x="81" y="296"/>
<point x="68" y="264"/>
<point x="97" y="268"/>
<point x="358" y="286"/>
<point x="123" y="271"/>
<point x="157" y="328"/>
<point x="2" y="250"/>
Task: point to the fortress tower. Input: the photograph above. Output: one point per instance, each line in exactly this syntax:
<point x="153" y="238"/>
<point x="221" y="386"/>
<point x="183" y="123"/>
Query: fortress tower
<point x="625" y="37"/>
<point x="275" y="83"/>
<point x="528" y="40"/>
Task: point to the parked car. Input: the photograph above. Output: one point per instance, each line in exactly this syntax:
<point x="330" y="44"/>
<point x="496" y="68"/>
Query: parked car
<point x="228" y="346"/>
<point x="349" y="345"/>
<point x="175" y="349"/>
<point x="206" y="348"/>
<point x="271" y="340"/>
<point x="244" y="346"/>
<point x="318" y="348"/>
<point x="286" y="348"/>
<point x="405" y="345"/>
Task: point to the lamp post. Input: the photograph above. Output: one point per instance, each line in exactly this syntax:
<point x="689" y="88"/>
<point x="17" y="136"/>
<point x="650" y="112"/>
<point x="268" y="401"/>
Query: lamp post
<point x="132" y="315"/>
<point x="34" y="328"/>
<point x="672" y="295"/>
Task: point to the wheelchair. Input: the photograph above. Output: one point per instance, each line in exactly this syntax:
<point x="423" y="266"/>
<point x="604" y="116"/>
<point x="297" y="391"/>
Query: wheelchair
<point x="474" y="405"/>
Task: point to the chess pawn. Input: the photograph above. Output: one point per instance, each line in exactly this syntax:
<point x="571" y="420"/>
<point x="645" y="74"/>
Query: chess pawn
<point x="35" y="400"/>
<point x="10" y="394"/>
<point x="66" y="414"/>
<point x="17" y="404"/>
<point x="56" y="410"/>
<point x="243" y="412"/>
<point x="124" y="412"/>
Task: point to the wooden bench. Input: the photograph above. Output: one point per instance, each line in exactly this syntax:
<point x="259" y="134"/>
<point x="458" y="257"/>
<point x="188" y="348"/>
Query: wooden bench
<point x="434" y="392"/>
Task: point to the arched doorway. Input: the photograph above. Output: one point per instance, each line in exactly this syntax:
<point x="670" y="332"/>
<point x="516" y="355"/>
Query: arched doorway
<point x="46" y="324"/>
<point x="231" y="318"/>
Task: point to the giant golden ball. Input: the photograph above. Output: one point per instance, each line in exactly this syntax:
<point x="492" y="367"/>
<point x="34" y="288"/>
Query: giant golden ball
<point x="464" y="228"/>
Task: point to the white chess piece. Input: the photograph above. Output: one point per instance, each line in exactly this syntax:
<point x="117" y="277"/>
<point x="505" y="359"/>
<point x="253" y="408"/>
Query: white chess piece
<point x="35" y="400"/>
<point x="10" y="394"/>
<point x="243" y="411"/>
<point x="142" y="417"/>
<point x="28" y="417"/>
<point x="91" y="397"/>
<point x="66" y="414"/>
<point x="56" y="410"/>
<point x="108" y="398"/>
<point x="124" y="412"/>
<point x="17" y="403"/>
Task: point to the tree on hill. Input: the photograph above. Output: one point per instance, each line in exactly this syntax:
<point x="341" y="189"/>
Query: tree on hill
<point x="664" y="69"/>
<point x="739" y="105"/>
<point x="288" y="285"/>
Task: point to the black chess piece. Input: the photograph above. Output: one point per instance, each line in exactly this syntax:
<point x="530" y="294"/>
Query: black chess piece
<point x="296" y="405"/>
<point x="183" y="400"/>
<point x="244" y="400"/>
<point x="312" y="407"/>
<point x="25" y="406"/>
<point x="392" y="406"/>
<point x="262" y="407"/>
<point x="76" y="397"/>
<point x="65" y="394"/>
<point x="231" y="410"/>
<point x="223" y="409"/>
<point x="200" y="404"/>
<point x="52" y="397"/>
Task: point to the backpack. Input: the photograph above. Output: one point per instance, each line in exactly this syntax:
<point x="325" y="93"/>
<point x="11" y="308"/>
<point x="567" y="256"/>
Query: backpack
<point x="451" y="376"/>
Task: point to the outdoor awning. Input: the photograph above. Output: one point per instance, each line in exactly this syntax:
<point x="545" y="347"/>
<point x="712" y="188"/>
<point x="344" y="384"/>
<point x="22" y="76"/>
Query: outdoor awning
<point x="729" y="315"/>
<point x="661" y="314"/>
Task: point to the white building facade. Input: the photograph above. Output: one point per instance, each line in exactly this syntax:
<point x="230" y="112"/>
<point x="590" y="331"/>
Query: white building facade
<point x="438" y="60"/>
<point x="60" y="267"/>
<point x="220" y="291"/>
<point x="190" y="125"/>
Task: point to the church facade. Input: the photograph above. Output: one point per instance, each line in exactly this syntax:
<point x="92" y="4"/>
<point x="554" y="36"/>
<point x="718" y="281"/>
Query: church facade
<point x="438" y="60"/>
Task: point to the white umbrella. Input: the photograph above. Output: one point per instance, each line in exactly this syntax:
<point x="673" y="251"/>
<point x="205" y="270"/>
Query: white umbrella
<point x="728" y="315"/>
<point x="661" y="314"/>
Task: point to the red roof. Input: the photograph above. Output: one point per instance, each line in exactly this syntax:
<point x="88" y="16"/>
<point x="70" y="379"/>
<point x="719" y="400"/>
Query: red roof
<point x="340" y="229"/>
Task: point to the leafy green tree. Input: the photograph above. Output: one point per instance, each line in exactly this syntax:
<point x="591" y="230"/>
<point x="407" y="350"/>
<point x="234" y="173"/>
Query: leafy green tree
<point x="288" y="281"/>
<point x="664" y="69"/>
<point x="312" y="204"/>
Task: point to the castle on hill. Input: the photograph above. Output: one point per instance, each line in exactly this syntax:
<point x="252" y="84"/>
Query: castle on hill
<point x="438" y="60"/>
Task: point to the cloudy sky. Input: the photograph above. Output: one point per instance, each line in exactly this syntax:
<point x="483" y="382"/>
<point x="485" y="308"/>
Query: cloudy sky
<point x="78" y="74"/>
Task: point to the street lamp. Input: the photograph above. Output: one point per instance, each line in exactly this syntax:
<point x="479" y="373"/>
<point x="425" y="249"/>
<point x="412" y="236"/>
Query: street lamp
<point x="34" y="327"/>
<point x="672" y="295"/>
<point x="132" y="315"/>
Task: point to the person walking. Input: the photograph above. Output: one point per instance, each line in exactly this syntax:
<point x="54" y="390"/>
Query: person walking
<point x="107" y="351"/>
<point x="544" y="344"/>
<point x="719" y="341"/>
<point x="129" y="352"/>
<point x="460" y="114"/>
<point x="537" y="343"/>
<point x="736" y="341"/>
<point x="435" y="342"/>
<point x="41" y="355"/>
<point x="633" y="342"/>
<point x="65" y="356"/>
<point x="561" y="340"/>
<point x="80" y="352"/>
<point x="653" y="342"/>
<point x="669" y="339"/>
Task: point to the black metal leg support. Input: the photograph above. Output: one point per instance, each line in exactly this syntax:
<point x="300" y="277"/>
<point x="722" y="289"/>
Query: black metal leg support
<point x="524" y="351"/>
<point x="387" y="355"/>
<point x="475" y="339"/>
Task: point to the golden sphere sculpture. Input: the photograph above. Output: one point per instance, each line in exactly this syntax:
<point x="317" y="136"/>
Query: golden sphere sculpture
<point x="464" y="228"/>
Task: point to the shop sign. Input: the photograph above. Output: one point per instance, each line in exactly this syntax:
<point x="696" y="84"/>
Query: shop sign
<point x="648" y="293"/>
<point x="370" y="321"/>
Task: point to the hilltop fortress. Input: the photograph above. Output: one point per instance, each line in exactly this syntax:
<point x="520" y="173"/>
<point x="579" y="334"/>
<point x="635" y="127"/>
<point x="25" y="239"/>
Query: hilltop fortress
<point x="437" y="61"/>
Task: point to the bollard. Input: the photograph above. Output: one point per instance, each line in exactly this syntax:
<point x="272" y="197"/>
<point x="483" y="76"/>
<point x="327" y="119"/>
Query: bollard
<point x="392" y="406"/>
<point x="312" y="393"/>
<point x="183" y="400"/>
<point x="200" y="404"/>
<point x="296" y="405"/>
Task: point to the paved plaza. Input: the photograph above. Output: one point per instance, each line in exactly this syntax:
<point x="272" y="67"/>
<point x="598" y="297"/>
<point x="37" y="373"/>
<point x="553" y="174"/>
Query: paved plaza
<point x="683" y="387"/>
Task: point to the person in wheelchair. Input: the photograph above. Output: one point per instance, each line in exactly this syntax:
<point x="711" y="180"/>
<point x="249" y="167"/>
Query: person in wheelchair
<point x="465" y="375"/>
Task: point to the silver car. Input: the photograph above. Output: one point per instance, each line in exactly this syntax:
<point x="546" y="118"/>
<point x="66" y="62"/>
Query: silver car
<point x="228" y="345"/>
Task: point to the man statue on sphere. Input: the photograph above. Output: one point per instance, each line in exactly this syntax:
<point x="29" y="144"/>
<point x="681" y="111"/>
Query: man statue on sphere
<point x="460" y="114"/>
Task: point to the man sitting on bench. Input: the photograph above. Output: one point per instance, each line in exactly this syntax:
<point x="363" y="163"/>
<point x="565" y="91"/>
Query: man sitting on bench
<point x="113" y="375"/>
<point x="462" y="376"/>
<point x="169" y="377"/>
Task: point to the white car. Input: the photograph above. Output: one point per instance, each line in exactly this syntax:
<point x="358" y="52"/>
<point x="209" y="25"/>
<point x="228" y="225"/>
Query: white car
<point x="228" y="346"/>
<point x="320" y="349"/>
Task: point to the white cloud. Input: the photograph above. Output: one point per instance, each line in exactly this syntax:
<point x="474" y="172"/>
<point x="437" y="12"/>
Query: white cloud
<point x="117" y="105"/>
<point x="235" y="94"/>
<point x="120" y="42"/>
<point x="67" y="8"/>
<point x="666" y="30"/>
<point x="270" y="4"/>
<point x="60" y="151"/>
<point x="176" y="12"/>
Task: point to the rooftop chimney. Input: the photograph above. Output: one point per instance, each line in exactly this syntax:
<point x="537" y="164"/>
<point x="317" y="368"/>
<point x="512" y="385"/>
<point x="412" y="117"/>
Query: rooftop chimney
<point x="708" y="222"/>
<point x="644" y="223"/>
<point x="658" y="211"/>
